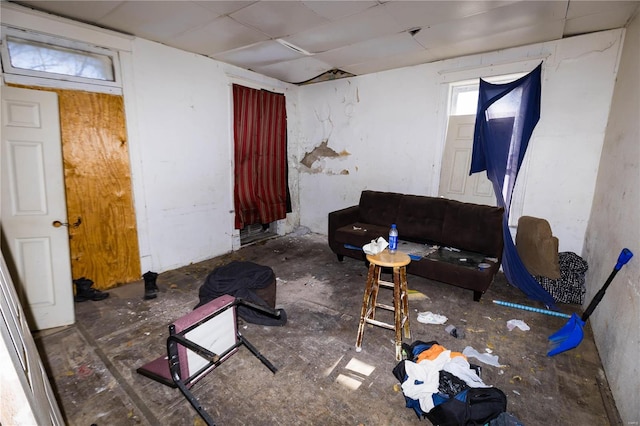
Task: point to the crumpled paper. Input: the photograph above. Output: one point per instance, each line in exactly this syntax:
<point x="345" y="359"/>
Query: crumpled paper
<point x="375" y="246"/>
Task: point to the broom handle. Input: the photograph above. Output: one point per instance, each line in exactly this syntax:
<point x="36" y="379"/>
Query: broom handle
<point x="623" y="258"/>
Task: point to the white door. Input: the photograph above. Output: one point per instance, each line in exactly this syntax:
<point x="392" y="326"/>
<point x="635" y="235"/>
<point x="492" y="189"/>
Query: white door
<point x="33" y="199"/>
<point x="26" y="396"/>
<point x="455" y="182"/>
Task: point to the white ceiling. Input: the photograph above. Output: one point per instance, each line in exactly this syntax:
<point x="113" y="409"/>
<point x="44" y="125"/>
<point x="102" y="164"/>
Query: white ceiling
<point x="357" y="37"/>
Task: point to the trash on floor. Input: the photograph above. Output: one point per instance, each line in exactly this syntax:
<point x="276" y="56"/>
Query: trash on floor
<point x="516" y="323"/>
<point x="486" y="358"/>
<point x="456" y="332"/>
<point x="429" y="317"/>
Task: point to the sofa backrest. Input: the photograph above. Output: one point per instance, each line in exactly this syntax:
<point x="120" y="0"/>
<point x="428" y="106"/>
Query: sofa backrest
<point x="379" y="208"/>
<point x="424" y="219"/>
<point x="421" y="218"/>
<point x="474" y="227"/>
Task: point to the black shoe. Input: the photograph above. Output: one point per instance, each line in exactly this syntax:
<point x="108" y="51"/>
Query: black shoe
<point x="84" y="291"/>
<point x="150" y="286"/>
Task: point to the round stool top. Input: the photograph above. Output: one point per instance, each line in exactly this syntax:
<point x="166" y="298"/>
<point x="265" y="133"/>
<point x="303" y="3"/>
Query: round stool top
<point x="388" y="259"/>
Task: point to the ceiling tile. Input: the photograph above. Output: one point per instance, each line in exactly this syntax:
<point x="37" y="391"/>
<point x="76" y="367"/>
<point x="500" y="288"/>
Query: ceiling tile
<point x="396" y="44"/>
<point x="373" y="22"/>
<point x="390" y="62"/>
<point x="426" y="13"/>
<point x="278" y="18"/>
<point x="334" y="10"/>
<point x="296" y="71"/>
<point x="496" y="21"/>
<point x="224" y="7"/>
<point x="81" y="10"/>
<point x="590" y="17"/>
<point x="218" y="36"/>
<point x="498" y="41"/>
<point x="259" y="54"/>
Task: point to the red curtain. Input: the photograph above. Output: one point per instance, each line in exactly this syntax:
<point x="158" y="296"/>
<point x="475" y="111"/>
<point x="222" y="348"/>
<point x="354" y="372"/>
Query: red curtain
<point x="260" y="135"/>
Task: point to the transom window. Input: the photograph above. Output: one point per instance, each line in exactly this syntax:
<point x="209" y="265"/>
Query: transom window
<point x="25" y="53"/>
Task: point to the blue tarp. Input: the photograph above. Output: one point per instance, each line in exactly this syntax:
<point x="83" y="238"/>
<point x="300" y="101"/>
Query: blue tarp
<point x="507" y="114"/>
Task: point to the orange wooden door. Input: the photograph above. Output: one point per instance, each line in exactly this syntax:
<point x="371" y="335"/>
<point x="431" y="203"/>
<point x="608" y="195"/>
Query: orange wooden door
<point x="102" y="226"/>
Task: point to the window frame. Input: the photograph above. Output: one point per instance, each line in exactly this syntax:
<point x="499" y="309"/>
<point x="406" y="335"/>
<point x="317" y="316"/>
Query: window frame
<point x="49" y="78"/>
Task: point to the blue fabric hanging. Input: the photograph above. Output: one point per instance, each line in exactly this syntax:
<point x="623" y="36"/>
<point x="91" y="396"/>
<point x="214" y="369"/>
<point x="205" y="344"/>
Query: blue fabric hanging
<point x="505" y="119"/>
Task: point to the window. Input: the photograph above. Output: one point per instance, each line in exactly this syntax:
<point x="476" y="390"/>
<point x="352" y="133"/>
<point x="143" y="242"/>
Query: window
<point x="36" y="55"/>
<point x="464" y="94"/>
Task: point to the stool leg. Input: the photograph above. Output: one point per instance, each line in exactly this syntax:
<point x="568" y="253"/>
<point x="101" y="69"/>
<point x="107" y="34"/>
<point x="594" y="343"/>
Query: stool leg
<point x="405" y="304"/>
<point x="374" y="291"/>
<point x="366" y="302"/>
<point x="397" y="311"/>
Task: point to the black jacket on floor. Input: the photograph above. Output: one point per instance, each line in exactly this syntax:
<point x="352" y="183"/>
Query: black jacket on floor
<point x="239" y="279"/>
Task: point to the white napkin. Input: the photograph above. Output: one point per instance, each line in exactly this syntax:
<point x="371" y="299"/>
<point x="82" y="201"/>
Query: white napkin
<point x="375" y="246"/>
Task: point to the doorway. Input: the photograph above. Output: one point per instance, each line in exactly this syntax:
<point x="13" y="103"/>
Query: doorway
<point x="103" y="238"/>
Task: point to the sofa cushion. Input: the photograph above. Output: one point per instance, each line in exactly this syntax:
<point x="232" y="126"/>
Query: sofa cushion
<point x="421" y="218"/>
<point x="473" y="227"/>
<point x="358" y="234"/>
<point x="379" y="208"/>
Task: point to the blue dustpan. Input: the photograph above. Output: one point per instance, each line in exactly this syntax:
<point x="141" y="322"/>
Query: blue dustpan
<point x="570" y="336"/>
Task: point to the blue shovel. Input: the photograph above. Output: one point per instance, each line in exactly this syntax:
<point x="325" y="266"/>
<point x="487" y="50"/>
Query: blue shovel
<point x="570" y="336"/>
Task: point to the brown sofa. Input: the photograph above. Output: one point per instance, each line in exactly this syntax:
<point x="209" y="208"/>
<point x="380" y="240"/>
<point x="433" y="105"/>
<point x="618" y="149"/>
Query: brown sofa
<point x="467" y="235"/>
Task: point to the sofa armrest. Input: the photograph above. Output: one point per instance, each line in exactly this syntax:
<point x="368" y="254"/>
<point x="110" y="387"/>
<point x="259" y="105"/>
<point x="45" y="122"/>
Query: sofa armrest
<point x="340" y="218"/>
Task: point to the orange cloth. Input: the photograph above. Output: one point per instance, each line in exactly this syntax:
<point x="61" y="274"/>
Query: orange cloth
<point x="433" y="352"/>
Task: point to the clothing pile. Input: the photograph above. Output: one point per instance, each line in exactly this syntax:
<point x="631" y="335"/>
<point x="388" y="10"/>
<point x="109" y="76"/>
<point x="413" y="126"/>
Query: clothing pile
<point x="569" y="288"/>
<point x="442" y="386"/>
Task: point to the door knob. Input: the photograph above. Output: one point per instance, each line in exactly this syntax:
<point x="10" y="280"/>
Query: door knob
<point x="58" y="224"/>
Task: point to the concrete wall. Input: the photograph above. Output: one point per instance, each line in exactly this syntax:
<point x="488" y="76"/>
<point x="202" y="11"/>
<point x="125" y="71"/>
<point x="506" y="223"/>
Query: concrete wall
<point x="386" y="131"/>
<point x="613" y="225"/>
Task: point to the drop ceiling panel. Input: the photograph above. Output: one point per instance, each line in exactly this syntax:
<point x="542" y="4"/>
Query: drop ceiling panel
<point x="498" y="41"/>
<point x="224" y="7"/>
<point x="82" y="10"/>
<point x="495" y="21"/>
<point x="279" y="18"/>
<point x="296" y="71"/>
<point x="259" y="54"/>
<point x="217" y="36"/>
<point x="390" y="62"/>
<point x="426" y="13"/>
<point x="397" y="44"/>
<point x="588" y="18"/>
<point x="372" y="23"/>
<point x="334" y="10"/>
<point x="157" y="20"/>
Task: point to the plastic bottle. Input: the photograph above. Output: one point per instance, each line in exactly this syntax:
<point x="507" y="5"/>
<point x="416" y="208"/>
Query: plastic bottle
<point x="393" y="239"/>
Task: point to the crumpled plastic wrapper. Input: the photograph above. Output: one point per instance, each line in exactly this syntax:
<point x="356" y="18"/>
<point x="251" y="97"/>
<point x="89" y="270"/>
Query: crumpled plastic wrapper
<point x="511" y="324"/>
<point x="375" y="246"/>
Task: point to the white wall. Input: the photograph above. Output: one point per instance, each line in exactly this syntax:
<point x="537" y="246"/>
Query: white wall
<point x="178" y="110"/>
<point x="179" y="114"/>
<point x="615" y="224"/>
<point x="402" y="114"/>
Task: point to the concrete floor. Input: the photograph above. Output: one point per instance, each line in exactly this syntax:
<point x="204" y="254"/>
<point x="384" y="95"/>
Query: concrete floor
<point x="92" y="365"/>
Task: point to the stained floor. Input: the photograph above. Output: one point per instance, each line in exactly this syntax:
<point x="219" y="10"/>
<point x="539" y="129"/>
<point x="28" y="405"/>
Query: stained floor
<point x="321" y="379"/>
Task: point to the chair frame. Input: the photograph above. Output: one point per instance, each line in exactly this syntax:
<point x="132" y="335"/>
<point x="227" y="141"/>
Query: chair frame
<point x="172" y="370"/>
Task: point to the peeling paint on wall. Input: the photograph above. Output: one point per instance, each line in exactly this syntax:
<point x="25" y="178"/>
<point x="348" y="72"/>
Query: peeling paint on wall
<point x="318" y="154"/>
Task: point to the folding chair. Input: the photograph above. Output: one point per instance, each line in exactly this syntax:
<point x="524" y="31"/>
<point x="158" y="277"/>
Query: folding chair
<point x="199" y="342"/>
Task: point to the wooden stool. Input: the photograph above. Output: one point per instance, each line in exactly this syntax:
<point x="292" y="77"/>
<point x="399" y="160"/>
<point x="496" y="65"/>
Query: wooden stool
<point x="398" y="261"/>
